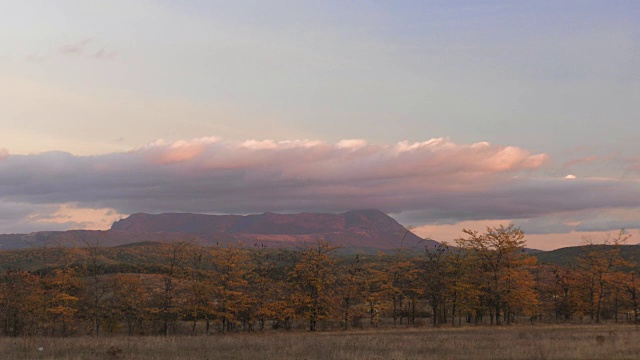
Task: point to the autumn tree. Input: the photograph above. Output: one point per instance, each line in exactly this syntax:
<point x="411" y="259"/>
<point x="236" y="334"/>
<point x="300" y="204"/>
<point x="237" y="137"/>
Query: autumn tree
<point x="130" y="300"/>
<point x="435" y="281"/>
<point x="632" y="286"/>
<point x="22" y="303"/>
<point x="596" y="266"/>
<point x="97" y="287"/>
<point x="462" y="290"/>
<point x="62" y="292"/>
<point x="198" y="302"/>
<point x="229" y="285"/>
<point x="508" y="287"/>
<point x="352" y="284"/>
<point x="312" y="279"/>
<point x="397" y="281"/>
<point x="173" y="275"/>
<point x="266" y="287"/>
<point x="618" y="295"/>
<point x="560" y="291"/>
<point x="447" y="283"/>
<point x="374" y="293"/>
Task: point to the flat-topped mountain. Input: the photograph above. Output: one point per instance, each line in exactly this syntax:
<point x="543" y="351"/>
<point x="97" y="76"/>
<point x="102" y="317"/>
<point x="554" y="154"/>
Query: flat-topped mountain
<point x="368" y="228"/>
<point x="371" y="229"/>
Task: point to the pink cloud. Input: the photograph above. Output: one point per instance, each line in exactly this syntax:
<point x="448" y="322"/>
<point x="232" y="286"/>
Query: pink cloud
<point x="4" y="153"/>
<point x="179" y="151"/>
<point x="350" y="160"/>
<point x="633" y="164"/>
<point x="582" y="161"/>
<point x="353" y="144"/>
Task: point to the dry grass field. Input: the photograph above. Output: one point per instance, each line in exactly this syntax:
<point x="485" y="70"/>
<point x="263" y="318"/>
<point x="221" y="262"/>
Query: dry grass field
<point x="513" y="342"/>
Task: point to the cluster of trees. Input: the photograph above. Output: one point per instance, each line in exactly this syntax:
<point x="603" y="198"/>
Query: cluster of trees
<point x="483" y="278"/>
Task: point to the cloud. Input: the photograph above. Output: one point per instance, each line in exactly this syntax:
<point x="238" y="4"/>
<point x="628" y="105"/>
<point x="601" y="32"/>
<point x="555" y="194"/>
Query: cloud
<point x="180" y="151"/>
<point x="523" y="198"/>
<point x="81" y="48"/>
<point x="551" y="231"/>
<point x="549" y="224"/>
<point x="4" y="153"/>
<point x="353" y="144"/>
<point x="36" y="58"/>
<point x="610" y="220"/>
<point x="104" y="54"/>
<point x="633" y="164"/>
<point x="436" y="181"/>
<point x="15" y="211"/>
<point x="83" y="218"/>
<point x="583" y="161"/>
<point x="75" y="48"/>
<point x="16" y="217"/>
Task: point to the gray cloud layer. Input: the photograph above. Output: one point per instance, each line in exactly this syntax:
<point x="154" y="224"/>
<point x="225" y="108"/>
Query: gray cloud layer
<point x="435" y="181"/>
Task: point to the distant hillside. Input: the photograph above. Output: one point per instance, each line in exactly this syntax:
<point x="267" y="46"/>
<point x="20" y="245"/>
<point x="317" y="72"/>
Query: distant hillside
<point x="79" y="238"/>
<point x="358" y="228"/>
<point x="366" y="229"/>
<point x="565" y="256"/>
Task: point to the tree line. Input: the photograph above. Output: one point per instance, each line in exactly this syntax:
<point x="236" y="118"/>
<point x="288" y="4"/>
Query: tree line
<point x="482" y="278"/>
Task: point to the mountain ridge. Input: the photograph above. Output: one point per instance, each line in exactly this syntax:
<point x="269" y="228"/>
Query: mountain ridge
<point x="356" y="228"/>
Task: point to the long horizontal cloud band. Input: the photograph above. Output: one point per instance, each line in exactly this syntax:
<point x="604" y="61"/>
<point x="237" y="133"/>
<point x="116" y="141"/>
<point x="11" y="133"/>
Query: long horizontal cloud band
<point x="432" y="180"/>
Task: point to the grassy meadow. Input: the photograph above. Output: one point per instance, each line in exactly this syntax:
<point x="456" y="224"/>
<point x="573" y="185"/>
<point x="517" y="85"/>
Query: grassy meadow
<point x="508" y="342"/>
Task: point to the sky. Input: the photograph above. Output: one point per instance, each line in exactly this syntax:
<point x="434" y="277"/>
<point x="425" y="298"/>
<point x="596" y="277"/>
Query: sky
<point x="444" y="114"/>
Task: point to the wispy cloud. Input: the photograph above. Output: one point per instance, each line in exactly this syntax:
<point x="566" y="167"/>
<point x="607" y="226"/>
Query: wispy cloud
<point x="583" y="161"/>
<point x="104" y="54"/>
<point x="75" y="48"/>
<point x="633" y="164"/>
<point x="36" y="57"/>
<point x="81" y="48"/>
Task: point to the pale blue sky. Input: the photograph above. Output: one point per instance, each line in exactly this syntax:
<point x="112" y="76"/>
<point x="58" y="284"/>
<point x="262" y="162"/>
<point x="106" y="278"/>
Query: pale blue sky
<point x="560" y="78"/>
